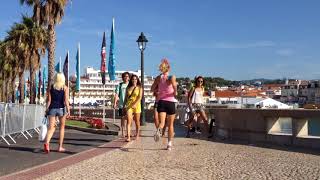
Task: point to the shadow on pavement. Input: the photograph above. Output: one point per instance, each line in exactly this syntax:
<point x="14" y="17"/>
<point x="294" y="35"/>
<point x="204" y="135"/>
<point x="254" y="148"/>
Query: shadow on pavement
<point x="29" y="153"/>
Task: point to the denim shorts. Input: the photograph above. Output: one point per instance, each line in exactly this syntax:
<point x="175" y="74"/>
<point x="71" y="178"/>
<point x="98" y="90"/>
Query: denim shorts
<point x="57" y="112"/>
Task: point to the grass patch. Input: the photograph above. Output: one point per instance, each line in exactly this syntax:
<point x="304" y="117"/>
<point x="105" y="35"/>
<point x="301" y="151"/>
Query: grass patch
<point x="77" y="123"/>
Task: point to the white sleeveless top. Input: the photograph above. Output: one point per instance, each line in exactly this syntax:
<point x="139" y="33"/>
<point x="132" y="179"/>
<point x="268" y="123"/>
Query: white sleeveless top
<point x="197" y="97"/>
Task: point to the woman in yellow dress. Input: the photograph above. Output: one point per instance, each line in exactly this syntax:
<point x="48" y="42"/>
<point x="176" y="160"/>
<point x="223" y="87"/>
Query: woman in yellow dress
<point x="133" y="105"/>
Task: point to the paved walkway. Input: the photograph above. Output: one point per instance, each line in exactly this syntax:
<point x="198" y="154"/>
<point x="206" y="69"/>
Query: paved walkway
<point x="193" y="159"/>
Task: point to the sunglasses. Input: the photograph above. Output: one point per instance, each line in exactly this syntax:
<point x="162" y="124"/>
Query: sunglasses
<point x="200" y="81"/>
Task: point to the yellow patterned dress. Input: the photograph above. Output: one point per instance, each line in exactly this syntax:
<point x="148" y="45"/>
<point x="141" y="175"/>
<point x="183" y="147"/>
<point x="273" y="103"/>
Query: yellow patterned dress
<point x="133" y="94"/>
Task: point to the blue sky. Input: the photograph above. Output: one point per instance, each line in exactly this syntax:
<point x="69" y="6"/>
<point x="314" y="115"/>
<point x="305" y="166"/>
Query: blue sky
<point x="235" y="40"/>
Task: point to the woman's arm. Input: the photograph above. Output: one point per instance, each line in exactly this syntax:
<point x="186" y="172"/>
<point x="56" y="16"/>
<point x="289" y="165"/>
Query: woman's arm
<point x="115" y="97"/>
<point x="66" y="100"/>
<point x="191" y="91"/>
<point x="174" y="84"/>
<point x="125" y="99"/>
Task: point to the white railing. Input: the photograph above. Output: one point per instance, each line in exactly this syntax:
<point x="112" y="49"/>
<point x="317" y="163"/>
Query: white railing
<point x="19" y="119"/>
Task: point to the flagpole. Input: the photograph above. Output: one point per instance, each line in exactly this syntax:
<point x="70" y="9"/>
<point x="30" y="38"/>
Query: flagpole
<point x="60" y="65"/>
<point x="114" y="110"/>
<point x="80" y="81"/>
<point x="104" y="111"/>
<point x="68" y="74"/>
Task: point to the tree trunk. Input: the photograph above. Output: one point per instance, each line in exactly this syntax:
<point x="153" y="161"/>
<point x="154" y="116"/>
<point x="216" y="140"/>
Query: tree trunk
<point x="21" y="86"/>
<point x="13" y="89"/>
<point x="51" y="53"/>
<point x="32" y="87"/>
<point x="3" y="96"/>
<point x="7" y="93"/>
<point x="32" y="78"/>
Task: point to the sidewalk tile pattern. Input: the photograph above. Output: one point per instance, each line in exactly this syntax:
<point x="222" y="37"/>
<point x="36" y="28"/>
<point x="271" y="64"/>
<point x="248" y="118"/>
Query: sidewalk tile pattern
<point x="192" y="159"/>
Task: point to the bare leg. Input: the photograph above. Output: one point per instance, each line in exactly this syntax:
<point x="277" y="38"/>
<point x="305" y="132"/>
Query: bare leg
<point x="170" y="131"/>
<point x="61" y="137"/>
<point x="137" y="122"/>
<point x="130" y="117"/>
<point x="52" y="128"/>
<point x="162" y="118"/>
<point x="165" y="126"/>
<point x="123" y="125"/>
<point x="203" y="116"/>
<point x="191" y="119"/>
<point x="171" y="127"/>
<point x="156" y="118"/>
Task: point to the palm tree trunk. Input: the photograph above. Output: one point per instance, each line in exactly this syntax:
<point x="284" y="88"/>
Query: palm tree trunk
<point x="7" y="93"/>
<point x="32" y="86"/>
<point x="3" y="96"/>
<point x="51" y="53"/>
<point x="32" y="77"/>
<point x="21" y="86"/>
<point x="13" y="89"/>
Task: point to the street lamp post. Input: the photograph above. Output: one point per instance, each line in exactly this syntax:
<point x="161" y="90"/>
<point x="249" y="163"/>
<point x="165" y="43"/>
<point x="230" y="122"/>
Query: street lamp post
<point x="142" y="43"/>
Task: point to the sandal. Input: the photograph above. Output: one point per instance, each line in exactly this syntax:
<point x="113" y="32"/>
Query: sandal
<point x="46" y="148"/>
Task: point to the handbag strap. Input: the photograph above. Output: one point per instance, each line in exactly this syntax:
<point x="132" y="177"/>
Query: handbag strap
<point x="131" y="92"/>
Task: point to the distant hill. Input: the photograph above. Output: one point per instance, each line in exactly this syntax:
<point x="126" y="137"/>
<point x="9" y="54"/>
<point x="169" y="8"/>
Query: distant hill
<point x="263" y="81"/>
<point x="212" y="82"/>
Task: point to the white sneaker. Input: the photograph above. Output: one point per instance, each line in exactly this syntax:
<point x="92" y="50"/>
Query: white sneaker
<point x="169" y="146"/>
<point x="157" y="135"/>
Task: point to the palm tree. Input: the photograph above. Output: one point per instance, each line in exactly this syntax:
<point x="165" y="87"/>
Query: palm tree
<point x="28" y="43"/>
<point x="2" y="61"/>
<point x="10" y="66"/>
<point x="48" y="13"/>
<point x="37" y="40"/>
<point x="17" y="37"/>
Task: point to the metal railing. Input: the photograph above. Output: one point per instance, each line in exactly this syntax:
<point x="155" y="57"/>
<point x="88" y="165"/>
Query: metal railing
<point x="19" y="119"/>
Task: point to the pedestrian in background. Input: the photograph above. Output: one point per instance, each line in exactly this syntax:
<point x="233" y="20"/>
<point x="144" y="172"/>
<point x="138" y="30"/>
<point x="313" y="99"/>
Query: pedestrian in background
<point x="196" y="105"/>
<point x="133" y="105"/>
<point x="57" y="106"/>
<point x="166" y="87"/>
<point x="119" y="96"/>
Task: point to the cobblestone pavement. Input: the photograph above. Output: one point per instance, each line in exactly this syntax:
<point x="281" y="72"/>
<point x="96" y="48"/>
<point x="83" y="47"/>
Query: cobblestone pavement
<point x="193" y="159"/>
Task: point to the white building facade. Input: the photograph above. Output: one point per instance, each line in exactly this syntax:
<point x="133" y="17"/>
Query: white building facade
<point x="91" y="87"/>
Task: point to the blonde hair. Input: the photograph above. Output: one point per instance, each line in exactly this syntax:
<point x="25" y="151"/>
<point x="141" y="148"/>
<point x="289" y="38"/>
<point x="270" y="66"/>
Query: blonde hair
<point x="59" y="81"/>
<point x="164" y="65"/>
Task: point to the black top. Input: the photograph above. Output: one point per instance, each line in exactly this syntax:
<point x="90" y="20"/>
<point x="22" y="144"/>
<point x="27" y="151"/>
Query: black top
<point x="57" y="98"/>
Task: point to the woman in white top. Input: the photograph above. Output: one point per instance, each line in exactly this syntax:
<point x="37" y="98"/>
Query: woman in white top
<point x="195" y="103"/>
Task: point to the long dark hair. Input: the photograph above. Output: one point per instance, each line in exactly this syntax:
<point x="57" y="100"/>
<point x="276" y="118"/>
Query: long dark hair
<point x="131" y="79"/>
<point x="196" y="81"/>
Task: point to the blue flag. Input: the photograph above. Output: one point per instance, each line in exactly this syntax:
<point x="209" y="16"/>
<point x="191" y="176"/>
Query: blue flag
<point x="78" y="69"/>
<point x="57" y="68"/>
<point x="111" y="64"/>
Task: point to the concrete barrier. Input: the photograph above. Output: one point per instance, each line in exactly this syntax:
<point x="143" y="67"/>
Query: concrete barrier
<point x="279" y="126"/>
